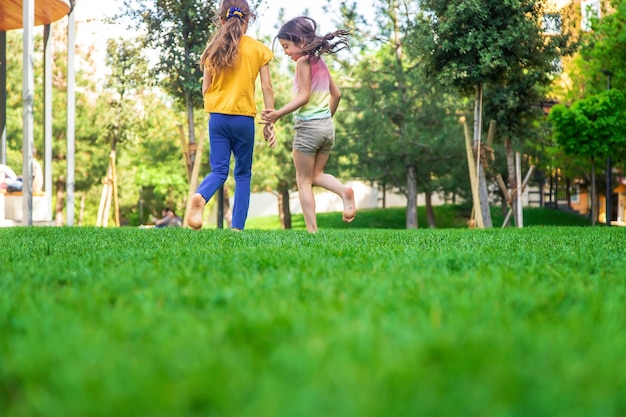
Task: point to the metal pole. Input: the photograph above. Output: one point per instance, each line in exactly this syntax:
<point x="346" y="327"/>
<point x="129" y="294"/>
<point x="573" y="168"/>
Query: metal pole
<point x="518" y="174"/>
<point x="28" y="94"/>
<point x="47" y="117"/>
<point x="609" y="187"/>
<point x="220" y="207"/>
<point x="3" y="98"/>
<point x="71" y="115"/>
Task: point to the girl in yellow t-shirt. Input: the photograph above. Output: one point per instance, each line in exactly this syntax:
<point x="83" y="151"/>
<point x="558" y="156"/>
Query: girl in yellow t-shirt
<point x="231" y="63"/>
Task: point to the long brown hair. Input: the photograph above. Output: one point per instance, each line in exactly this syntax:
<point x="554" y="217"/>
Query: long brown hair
<point x="303" y="32"/>
<point x="222" y="48"/>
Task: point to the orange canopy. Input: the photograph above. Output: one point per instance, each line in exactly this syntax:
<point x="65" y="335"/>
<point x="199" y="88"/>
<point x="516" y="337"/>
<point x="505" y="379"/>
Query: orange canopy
<point x="46" y="11"/>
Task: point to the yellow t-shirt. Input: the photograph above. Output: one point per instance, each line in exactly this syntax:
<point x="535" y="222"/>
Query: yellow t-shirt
<point x="232" y="90"/>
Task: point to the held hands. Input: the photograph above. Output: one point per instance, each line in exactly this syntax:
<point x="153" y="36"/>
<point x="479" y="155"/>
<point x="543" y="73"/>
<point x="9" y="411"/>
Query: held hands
<point x="269" y="134"/>
<point x="270" y="115"/>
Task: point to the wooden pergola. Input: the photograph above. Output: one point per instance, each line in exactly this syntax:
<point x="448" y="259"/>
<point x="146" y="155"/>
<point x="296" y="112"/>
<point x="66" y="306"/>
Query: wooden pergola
<point x="45" y="12"/>
<point x="26" y="14"/>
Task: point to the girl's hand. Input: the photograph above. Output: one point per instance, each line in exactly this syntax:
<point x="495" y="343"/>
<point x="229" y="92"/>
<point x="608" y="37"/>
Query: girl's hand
<point x="269" y="134"/>
<point x="270" y="115"/>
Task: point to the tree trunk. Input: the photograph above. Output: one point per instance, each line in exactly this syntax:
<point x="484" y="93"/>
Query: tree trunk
<point x="510" y="163"/>
<point x="482" y="179"/>
<point x="284" y="211"/>
<point x="228" y="212"/>
<point x="430" y="213"/>
<point x="81" y="213"/>
<point x="192" y="132"/>
<point x="60" y="203"/>
<point x="411" y="193"/>
<point x="594" y="205"/>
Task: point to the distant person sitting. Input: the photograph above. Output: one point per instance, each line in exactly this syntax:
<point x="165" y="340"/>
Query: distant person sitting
<point x="14" y="182"/>
<point x="9" y="179"/>
<point x="169" y="219"/>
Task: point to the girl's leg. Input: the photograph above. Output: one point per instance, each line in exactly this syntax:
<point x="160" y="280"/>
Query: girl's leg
<point x="243" y="148"/>
<point x="304" y="178"/>
<point x="220" y="164"/>
<point x="332" y="184"/>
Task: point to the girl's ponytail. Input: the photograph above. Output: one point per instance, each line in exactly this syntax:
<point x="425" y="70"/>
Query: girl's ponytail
<point x="223" y="47"/>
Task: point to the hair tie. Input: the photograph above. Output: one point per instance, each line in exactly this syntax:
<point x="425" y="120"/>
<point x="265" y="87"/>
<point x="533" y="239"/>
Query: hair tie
<point x="234" y="11"/>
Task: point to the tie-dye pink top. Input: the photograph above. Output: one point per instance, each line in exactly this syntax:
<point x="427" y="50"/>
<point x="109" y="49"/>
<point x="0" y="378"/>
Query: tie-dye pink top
<point x="318" y="106"/>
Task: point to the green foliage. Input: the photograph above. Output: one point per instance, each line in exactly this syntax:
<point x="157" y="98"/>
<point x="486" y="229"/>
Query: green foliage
<point x="396" y="117"/>
<point x="344" y="323"/>
<point x="92" y="112"/>
<point x="501" y="46"/>
<point x="604" y="49"/>
<point x="178" y="32"/>
<point x="592" y="127"/>
<point x="488" y="42"/>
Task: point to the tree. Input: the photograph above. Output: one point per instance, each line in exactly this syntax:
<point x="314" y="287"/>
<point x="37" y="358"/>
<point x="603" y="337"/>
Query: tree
<point x="491" y="42"/>
<point x="400" y="124"/>
<point x="128" y="69"/>
<point x="178" y="32"/>
<point x="604" y="49"/>
<point x="592" y="127"/>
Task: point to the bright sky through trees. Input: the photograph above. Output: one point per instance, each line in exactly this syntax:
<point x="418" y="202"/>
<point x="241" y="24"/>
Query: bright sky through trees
<point x="267" y="12"/>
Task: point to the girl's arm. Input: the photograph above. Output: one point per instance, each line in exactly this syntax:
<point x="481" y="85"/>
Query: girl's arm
<point x="207" y="79"/>
<point x="303" y="68"/>
<point x="268" y="101"/>
<point x="335" y="96"/>
<point x="266" y="87"/>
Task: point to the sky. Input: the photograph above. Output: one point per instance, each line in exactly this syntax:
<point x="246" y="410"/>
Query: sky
<point x="267" y="13"/>
<point x="92" y="31"/>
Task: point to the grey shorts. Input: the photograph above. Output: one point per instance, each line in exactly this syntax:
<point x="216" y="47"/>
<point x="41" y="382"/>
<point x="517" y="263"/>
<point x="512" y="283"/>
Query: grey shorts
<point x="313" y="136"/>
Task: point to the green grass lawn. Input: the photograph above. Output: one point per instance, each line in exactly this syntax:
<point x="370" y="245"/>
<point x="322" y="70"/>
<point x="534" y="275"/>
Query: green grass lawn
<point x="362" y="322"/>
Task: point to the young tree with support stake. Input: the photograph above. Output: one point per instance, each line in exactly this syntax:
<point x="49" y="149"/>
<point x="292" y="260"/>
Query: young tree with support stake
<point x="478" y="44"/>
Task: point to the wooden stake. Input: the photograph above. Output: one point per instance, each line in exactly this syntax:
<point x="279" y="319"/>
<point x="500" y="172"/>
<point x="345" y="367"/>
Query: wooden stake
<point x="473" y="177"/>
<point x="523" y="187"/>
<point x="491" y="133"/>
<point x="505" y="190"/>
<point x="103" y="198"/>
<point x="116" y="203"/>
<point x="186" y="157"/>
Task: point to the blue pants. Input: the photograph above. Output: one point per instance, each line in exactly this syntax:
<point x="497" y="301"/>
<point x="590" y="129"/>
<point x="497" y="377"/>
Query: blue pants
<point x="230" y="134"/>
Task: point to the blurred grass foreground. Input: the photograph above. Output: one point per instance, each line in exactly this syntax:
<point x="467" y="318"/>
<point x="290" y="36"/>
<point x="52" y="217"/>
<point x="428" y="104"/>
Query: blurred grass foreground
<point x="356" y="322"/>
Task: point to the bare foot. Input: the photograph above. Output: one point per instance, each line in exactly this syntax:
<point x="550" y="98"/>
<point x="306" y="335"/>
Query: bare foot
<point x="349" y="205"/>
<point x="195" y="212"/>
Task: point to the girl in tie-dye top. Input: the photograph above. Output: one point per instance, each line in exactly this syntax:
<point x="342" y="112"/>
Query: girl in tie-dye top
<point x="318" y="106"/>
<point x="314" y="102"/>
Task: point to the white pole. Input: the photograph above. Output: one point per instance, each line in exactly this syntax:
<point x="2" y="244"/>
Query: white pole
<point x="47" y="118"/>
<point x="3" y="97"/>
<point x="71" y="115"/>
<point x="518" y="174"/>
<point x="28" y="94"/>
